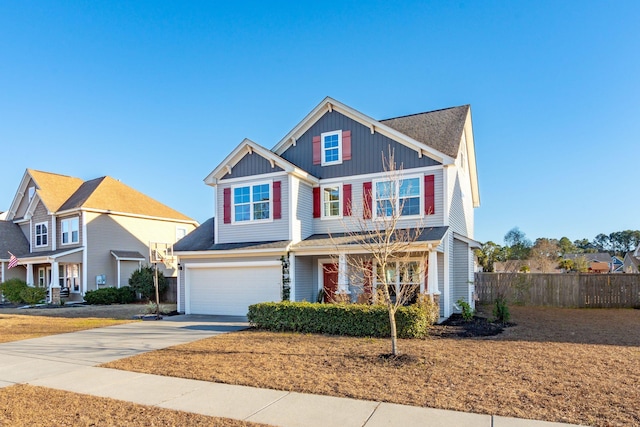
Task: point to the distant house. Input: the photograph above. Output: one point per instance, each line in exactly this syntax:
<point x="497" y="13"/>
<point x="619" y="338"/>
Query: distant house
<point x="81" y="235"/>
<point x="599" y="262"/>
<point x="631" y="262"/>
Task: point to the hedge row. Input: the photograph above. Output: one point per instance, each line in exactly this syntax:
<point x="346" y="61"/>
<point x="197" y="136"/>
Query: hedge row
<point x="360" y="320"/>
<point x="106" y="296"/>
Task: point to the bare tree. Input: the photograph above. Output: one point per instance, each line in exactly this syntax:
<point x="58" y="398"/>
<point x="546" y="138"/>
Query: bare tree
<point x="378" y="246"/>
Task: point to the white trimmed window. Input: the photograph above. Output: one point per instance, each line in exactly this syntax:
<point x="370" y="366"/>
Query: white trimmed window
<point x="331" y="201"/>
<point x="69" y="277"/>
<point x="180" y="233"/>
<point x="401" y="274"/>
<point x="252" y="203"/>
<point x="70" y="231"/>
<point x="331" y="145"/>
<point x="42" y="234"/>
<point x="398" y="197"/>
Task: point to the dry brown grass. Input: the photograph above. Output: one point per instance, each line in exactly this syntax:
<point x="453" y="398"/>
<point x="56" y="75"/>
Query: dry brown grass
<point x="21" y="327"/>
<point x="577" y="366"/>
<point x="24" y="405"/>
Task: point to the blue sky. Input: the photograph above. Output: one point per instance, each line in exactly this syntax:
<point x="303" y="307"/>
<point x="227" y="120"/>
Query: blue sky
<point x="157" y="93"/>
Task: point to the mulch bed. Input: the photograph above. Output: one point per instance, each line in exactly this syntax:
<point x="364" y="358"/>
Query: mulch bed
<point x="457" y="327"/>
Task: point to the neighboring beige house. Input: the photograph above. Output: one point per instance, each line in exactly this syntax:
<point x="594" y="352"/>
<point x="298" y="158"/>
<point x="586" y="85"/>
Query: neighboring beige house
<point x="82" y="235"/>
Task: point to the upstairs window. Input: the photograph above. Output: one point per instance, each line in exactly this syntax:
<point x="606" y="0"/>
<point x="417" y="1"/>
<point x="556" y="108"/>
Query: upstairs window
<point x="331" y="148"/>
<point x="331" y="202"/>
<point x="180" y="233"/>
<point x="331" y="143"/>
<point x="42" y="234"/>
<point x="252" y="203"/>
<point x="70" y="231"/>
<point x="398" y="197"/>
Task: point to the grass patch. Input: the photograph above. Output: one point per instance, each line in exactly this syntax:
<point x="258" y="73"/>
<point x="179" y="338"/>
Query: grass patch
<point x="24" y="405"/>
<point x="15" y="327"/>
<point x="562" y="365"/>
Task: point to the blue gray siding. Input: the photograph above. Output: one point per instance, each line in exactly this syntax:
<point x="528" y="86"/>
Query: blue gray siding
<point x="457" y="219"/>
<point x="304" y="286"/>
<point x="366" y="149"/>
<point x="250" y="165"/>
<point x="277" y="229"/>
<point x="337" y="225"/>
<point x="460" y="271"/>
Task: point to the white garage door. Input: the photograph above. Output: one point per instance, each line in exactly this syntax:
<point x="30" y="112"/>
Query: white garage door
<point x="229" y="289"/>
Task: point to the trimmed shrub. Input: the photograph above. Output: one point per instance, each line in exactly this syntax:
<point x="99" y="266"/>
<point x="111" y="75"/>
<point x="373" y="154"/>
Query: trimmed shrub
<point x="12" y="288"/>
<point x="501" y="310"/>
<point x="360" y="320"/>
<point x="107" y="296"/>
<point x="142" y="281"/>
<point x="32" y="295"/>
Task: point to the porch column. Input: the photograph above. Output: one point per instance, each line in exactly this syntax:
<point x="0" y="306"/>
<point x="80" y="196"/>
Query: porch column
<point x="29" y="274"/>
<point x="292" y="277"/>
<point x="117" y="273"/>
<point x="432" y="279"/>
<point x="55" y="279"/>
<point x="343" y="281"/>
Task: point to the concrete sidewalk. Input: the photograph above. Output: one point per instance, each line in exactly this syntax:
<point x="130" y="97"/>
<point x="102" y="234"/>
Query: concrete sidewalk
<point x="67" y="362"/>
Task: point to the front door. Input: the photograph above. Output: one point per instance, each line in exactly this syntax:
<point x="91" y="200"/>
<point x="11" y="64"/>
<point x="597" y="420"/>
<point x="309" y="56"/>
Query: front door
<point x="330" y="281"/>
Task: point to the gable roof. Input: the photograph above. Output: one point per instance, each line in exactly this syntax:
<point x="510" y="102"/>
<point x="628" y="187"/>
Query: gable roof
<point x="440" y="129"/>
<point x="108" y="194"/>
<point x="62" y="193"/>
<point x="247" y="146"/>
<point x="54" y="189"/>
<point x="12" y="240"/>
<point x="330" y="104"/>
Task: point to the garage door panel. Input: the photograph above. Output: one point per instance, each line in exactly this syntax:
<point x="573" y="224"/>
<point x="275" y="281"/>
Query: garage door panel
<point x="230" y="290"/>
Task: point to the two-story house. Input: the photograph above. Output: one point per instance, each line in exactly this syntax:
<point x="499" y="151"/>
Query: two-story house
<point x="81" y="235"/>
<point x="282" y="216"/>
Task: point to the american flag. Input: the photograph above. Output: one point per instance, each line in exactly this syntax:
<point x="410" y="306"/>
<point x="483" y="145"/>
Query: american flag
<point x="13" y="261"/>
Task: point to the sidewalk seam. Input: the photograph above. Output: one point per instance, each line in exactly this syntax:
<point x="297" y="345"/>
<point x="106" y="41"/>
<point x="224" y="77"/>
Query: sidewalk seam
<point x="266" y="406"/>
<point x="371" y="414"/>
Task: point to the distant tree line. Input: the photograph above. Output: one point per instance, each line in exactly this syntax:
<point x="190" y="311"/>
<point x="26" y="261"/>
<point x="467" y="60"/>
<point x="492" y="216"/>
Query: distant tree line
<point x="550" y="252"/>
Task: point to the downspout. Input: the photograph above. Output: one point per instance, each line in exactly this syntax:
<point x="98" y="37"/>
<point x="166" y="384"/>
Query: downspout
<point x="85" y="256"/>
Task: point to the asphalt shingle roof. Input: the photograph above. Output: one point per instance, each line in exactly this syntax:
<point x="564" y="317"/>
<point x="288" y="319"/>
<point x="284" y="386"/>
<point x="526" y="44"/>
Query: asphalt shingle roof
<point x="12" y="240"/>
<point x="106" y="193"/>
<point x="432" y="234"/>
<point x="440" y="129"/>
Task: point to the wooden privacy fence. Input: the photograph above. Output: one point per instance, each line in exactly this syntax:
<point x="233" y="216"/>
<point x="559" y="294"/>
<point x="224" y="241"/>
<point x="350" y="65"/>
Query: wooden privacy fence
<point x="560" y="290"/>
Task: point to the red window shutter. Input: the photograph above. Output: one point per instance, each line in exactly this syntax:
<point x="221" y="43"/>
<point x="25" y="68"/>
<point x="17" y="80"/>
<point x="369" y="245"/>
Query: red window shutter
<point x="346" y="145"/>
<point x="227" y="205"/>
<point x="429" y="195"/>
<point x="316" y="202"/>
<point x="277" y="204"/>
<point x="366" y="200"/>
<point x="346" y="200"/>
<point x="317" y="157"/>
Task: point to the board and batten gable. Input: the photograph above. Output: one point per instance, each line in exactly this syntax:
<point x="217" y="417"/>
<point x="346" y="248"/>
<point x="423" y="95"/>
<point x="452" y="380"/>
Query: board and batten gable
<point x="268" y="230"/>
<point x="353" y="222"/>
<point x="367" y="150"/>
<point x="250" y="165"/>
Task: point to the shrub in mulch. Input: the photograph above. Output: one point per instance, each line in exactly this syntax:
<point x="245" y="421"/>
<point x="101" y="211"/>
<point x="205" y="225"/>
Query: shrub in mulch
<point x="456" y="327"/>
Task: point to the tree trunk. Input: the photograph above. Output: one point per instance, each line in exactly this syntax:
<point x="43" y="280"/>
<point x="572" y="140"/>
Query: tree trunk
<point x="394" y="333"/>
